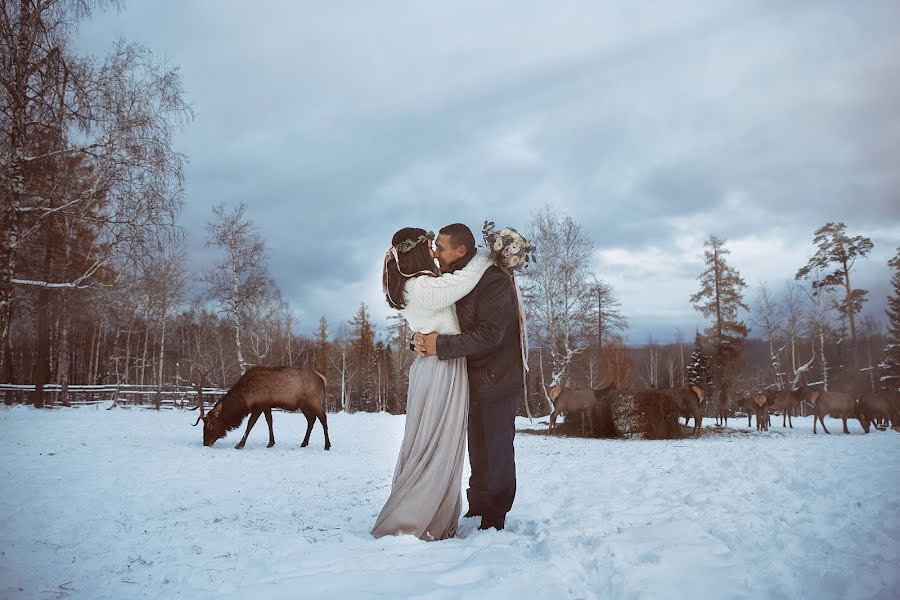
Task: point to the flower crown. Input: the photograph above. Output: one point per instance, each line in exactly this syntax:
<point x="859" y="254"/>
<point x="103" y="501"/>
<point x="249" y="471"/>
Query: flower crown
<point x="508" y="247"/>
<point x="407" y="245"/>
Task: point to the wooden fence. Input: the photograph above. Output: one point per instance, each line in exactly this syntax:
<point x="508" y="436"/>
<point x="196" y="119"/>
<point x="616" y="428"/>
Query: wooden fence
<point x="146" y="396"/>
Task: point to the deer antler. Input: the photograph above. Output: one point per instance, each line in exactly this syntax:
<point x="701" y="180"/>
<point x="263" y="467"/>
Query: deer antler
<point x="199" y="418"/>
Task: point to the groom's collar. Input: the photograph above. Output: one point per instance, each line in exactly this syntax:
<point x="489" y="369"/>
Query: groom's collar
<point x="462" y="262"/>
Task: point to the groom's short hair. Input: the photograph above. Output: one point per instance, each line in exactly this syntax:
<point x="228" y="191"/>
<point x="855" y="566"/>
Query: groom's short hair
<point x="460" y="235"/>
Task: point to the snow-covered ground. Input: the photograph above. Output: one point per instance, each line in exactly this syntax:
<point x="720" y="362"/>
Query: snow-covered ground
<point x="129" y="504"/>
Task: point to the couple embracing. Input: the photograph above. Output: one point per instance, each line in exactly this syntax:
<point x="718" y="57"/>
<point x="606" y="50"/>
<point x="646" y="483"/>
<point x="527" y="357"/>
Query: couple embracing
<point x="466" y="381"/>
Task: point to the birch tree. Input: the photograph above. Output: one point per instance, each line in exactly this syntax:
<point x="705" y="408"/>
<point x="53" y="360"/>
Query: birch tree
<point x="650" y="376"/>
<point x="766" y="314"/>
<point x="820" y="329"/>
<point x="81" y="140"/>
<point x="165" y="280"/>
<point x="557" y="285"/>
<point x="342" y="362"/>
<point x="792" y="301"/>
<point x="240" y="279"/>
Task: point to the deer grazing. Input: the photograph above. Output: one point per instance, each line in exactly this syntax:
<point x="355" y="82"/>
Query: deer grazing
<point x="686" y="400"/>
<point x="834" y="404"/>
<point x="566" y="401"/>
<point x="876" y="406"/>
<point x="261" y="389"/>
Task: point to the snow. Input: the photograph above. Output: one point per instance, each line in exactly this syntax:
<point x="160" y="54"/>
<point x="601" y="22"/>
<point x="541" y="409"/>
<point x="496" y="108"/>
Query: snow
<point x="127" y="503"/>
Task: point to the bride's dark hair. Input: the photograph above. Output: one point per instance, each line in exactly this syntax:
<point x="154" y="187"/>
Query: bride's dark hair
<point x="413" y="263"/>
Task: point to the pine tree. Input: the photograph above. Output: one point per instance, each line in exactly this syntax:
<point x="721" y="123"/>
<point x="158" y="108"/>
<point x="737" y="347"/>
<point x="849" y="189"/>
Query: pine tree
<point x="699" y="370"/>
<point x="399" y="337"/>
<point x="385" y="383"/>
<point x="840" y="252"/>
<point x="362" y="346"/>
<point x="322" y="354"/>
<point x="321" y="346"/>
<point x="720" y="297"/>
<point x="890" y="367"/>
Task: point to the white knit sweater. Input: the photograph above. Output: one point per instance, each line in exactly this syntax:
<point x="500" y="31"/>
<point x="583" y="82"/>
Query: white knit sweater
<point x="430" y="301"/>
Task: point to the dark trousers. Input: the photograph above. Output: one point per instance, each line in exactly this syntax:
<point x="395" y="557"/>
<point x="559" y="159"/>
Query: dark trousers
<point x="492" y="486"/>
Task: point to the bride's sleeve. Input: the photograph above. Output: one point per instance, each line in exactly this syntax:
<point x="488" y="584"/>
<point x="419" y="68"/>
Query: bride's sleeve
<point x="433" y="293"/>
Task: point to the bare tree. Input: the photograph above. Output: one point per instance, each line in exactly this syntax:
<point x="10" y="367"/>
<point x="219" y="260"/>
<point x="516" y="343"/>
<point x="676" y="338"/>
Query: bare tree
<point x="679" y="340"/>
<point x="792" y="305"/>
<point x="650" y="375"/>
<point x="766" y="314"/>
<point x="343" y="363"/>
<point x="270" y="328"/>
<point x="618" y="364"/>
<point x="671" y="362"/>
<point x="604" y="311"/>
<point x="81" y="142"/>
<point x="604" y="320"/>
<point x="165" y="280"/>
<point x="556" y="287"/>
<point x="820" y="327"/>
<point x="240" y="280"/>
<point x="871" y="337"/>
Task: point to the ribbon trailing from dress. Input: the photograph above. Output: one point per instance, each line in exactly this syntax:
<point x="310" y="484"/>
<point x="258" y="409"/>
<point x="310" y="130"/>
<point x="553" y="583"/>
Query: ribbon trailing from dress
<point x="523" y="323"/>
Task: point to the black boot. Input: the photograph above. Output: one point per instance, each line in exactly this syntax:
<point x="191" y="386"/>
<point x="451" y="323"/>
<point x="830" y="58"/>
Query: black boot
<point x="472" y="513"/>
<point x="497" y="523"/>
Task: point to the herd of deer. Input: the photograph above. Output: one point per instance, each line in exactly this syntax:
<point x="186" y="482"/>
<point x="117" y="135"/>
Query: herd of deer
<point x="881" y="408"/>
<point x="261" y="389"/>
<point x="685" y="401"/>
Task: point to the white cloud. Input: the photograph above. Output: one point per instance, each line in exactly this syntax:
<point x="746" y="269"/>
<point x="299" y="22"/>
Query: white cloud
<point x="652" y="126"/>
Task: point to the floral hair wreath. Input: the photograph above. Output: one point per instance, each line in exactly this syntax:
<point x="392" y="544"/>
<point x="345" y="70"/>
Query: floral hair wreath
<point x="508" y="247"/>
<point x="407" y="245"/>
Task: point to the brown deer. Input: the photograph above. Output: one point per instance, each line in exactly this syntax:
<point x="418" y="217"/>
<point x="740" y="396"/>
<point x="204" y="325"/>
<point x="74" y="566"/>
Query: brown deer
<point x="567" y="401"/>
<point x="874" y="406"/>
<point x="261" y="389"/>
<point x="786" y="400"/>
<point x="834" y="404"/>
<point x="722" y="406"/>
<point x="752" y="406"/>
<point x="745" y="403"/>
<point x="761" y="401"/>
<point x="686" y="400"/>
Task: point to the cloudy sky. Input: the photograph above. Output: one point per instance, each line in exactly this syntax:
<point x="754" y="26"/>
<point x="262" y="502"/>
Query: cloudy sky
<point x="651" y="124"/>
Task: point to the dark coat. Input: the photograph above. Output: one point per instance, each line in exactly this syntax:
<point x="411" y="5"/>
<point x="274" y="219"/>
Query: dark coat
<point x="489" y="321"/>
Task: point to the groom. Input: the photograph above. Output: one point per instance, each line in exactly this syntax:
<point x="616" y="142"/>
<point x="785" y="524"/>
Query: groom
<point x="489" y="321"/>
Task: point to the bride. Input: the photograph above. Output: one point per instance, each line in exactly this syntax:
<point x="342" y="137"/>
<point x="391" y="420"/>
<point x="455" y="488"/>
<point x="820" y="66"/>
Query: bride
<point x="426" y="498"/>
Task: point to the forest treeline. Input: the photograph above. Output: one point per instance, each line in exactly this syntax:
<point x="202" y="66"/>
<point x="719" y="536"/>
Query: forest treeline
<point x="96" y="284"/>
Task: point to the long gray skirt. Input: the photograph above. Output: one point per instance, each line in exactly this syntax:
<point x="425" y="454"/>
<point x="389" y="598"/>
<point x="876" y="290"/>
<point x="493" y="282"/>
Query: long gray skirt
<point x="426" y="498"/>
